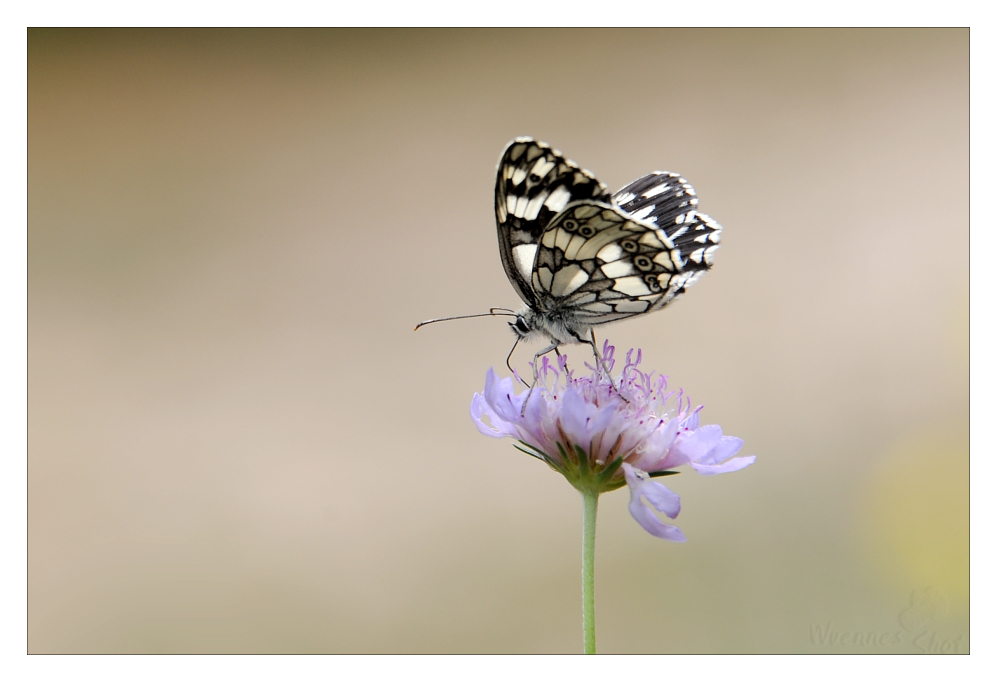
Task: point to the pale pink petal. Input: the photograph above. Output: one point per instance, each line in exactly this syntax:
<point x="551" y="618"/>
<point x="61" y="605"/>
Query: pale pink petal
<point x="497" y="428"/>
<point x="582" y="420"/>
<point x="735" y="464"/>
<point x="696" y="444"/>
<point x="657" y="495"/>
<point x="658" y="453"/>
<point x="502" y="398"/>
<point x="726" y="448"/>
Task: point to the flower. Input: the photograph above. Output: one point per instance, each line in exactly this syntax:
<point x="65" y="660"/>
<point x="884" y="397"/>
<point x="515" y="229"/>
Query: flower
<point x="602" y="435"/>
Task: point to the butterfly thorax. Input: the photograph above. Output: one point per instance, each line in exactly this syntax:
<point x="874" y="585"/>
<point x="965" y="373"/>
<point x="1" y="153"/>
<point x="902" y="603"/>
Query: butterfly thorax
<point x="557" y="326"/>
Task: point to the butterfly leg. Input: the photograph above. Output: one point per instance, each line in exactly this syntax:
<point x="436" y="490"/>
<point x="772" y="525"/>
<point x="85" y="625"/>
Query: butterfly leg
<point x="508" y="363"/>
<point x="536" y="360"/>
<point x="536" y="372"/>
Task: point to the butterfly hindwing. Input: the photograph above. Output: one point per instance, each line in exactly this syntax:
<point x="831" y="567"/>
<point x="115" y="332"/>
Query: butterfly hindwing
<point x="657" y="197"/>
<point x="668" y="201"/>
<point x="597" y="263"/>
<point x="533" y="184"/>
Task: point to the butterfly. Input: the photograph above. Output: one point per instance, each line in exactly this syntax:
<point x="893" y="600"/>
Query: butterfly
<point x="579" y="257"/>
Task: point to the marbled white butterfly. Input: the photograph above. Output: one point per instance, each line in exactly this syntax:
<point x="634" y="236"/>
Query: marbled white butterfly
<point x="579" y="257"/>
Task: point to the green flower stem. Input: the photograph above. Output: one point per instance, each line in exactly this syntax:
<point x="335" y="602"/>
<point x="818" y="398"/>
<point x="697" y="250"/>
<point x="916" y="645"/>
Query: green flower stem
<point x="590" y="505"/>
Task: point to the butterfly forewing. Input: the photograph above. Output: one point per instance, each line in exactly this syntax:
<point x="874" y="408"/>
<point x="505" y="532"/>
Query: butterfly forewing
<point x="533" y="184"/>
<point x="657" y="197"/>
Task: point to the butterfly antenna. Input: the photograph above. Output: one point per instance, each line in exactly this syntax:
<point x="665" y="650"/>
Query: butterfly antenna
<point x="492" y="312"/>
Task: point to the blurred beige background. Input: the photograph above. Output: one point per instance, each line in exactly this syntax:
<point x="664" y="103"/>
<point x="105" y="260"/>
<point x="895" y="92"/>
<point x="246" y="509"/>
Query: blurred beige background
<point x="237" y="443"/>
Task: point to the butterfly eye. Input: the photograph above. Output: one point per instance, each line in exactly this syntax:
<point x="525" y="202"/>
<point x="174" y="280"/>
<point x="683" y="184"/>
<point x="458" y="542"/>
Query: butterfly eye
<point x="569" y="225"/>
<point x="521" y="326"/>
<point x="643" y="263"/>
<point x="586" y="231"/>
<point x="629" y="245"/>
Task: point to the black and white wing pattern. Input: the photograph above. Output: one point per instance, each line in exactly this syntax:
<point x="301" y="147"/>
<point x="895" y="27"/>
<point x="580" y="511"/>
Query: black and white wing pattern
<point x="596" y="263"/>
<point x="533" y="184"/>
<point x="669" y="202"/>
<point x="657" y="197"/>
<point x="579" y="257"/>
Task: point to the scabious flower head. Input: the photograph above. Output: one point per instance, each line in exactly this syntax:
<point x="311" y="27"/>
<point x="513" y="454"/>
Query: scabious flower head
<point x="602" y="435"/>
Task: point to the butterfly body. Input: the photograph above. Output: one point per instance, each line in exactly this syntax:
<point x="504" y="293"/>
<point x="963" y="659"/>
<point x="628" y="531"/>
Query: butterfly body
<point x="579" y="257"/>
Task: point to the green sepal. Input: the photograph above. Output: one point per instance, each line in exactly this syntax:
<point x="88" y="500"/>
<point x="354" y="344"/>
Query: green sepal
<point x="541" y="455"/>
<point x="583" y="461"/>
<point x="655" y="474"/>
<point x="608" y="472"/>
<point x="530" y="453"/>
<point x="560" y="450"/>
